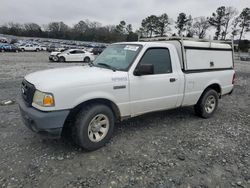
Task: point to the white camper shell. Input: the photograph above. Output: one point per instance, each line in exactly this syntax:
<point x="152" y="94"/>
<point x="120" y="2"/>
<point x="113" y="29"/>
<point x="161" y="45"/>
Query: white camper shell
<point x="215" y="54"/>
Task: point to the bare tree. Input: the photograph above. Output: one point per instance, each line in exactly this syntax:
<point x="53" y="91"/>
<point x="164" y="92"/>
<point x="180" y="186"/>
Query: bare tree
<point x="190" y="30"/>
<point x="163" y="23"/>
<point x="235" y="29"/>
<point x="80" y="27"/>
<point x="217" y="20"/>
<point x="58" y="29"/>
<point x="129" y="28"/>
<point x="181" y="23"/>
<point x="149" y="25"/>
<point x="200" y="26"/>
<point x="121" y="28"/>
<point x="230" y="13"/>
<point x="244" y="21"/>
<point x="32" y="29"/>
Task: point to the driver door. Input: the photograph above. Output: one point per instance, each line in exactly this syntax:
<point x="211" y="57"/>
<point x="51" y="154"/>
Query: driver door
<point x="156" y="91"/>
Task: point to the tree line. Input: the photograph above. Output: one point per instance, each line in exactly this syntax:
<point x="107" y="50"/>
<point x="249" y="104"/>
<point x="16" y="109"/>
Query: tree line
<point x="227" y="22"/>
<point x="82" y="31"/>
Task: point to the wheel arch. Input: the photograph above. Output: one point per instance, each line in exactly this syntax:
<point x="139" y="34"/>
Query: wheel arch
<point x="86" y="57"/>
<point x="215" y="86"/>
<point x="61" y="56"/>
<point x="104" y="101"/>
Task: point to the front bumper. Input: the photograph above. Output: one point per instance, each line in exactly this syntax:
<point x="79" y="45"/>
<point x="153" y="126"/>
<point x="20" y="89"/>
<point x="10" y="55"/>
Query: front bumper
<point x="48" y="124"/>
<point x="53" y="58"/>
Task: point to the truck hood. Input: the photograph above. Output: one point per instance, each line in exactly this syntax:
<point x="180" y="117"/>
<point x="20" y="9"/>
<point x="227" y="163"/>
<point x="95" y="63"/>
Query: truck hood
<point x="76" y="76"/>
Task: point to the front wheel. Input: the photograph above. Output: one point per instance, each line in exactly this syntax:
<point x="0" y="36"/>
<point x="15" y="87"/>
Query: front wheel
<point x="207" y="104"/>
<point x="93" y="126"/>
<point x="61" y="59"/>
<point x="54" y="58"/>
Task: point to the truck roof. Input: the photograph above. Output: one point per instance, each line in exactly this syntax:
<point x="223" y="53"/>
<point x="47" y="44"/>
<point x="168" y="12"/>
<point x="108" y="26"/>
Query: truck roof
<point x="206" y="44"/>
<point x="187" y="44"/>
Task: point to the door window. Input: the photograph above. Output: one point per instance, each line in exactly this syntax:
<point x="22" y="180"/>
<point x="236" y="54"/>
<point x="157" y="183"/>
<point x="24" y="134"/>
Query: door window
<point x="79" y="52"/>
<point x="159" y="58"/>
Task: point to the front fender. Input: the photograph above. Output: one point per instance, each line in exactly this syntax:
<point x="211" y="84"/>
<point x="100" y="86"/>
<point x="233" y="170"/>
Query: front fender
<point x="94" y="95"/>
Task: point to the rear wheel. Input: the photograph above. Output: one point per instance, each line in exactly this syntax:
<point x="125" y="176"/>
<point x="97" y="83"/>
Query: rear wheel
<point x="37" y="50"/>
<point x="22" y="49"/>
<point x="61" y="59"/>
<point x="2" y="50"/>
<point x="207" y="104"/>
<point x="86" y="60"/>
<point x="93" y="126"/>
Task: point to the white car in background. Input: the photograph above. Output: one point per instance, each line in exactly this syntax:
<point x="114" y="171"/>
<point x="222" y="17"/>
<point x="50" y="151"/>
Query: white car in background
<point x="75" y="55"/>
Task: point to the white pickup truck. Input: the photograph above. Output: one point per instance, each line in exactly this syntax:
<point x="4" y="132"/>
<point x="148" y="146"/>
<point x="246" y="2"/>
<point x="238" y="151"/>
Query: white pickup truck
<point x="127" y="80"/>
<point x="30" y="47"/>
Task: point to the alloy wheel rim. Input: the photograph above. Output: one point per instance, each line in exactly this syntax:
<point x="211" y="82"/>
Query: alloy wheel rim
<point x="210" y="104"/>
<point x="98" y="128"/>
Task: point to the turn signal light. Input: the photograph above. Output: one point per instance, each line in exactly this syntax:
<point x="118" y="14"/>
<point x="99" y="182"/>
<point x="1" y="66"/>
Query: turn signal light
<point x="48" y="100"/>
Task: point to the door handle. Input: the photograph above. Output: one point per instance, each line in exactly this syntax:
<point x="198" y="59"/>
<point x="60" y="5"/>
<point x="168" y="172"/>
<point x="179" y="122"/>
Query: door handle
<point x="172" y="79"/>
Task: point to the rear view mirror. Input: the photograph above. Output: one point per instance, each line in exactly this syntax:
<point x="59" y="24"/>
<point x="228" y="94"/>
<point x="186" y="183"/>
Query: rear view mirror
<point x="144" y="69"/>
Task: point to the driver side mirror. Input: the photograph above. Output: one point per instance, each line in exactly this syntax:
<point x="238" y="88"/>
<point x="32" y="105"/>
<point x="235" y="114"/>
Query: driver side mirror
<point x="144" y="69"/>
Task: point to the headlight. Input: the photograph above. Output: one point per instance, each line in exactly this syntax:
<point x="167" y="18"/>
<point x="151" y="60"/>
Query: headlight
<point x="43" y="99"/>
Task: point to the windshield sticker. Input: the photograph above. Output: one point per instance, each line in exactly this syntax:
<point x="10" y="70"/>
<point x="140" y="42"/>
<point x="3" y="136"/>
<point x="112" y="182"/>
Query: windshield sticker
<point x="131" y="48"/>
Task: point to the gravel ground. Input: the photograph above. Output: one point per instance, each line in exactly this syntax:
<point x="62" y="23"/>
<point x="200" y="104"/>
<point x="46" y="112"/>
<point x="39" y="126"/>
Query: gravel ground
<point x="166" y="149"/>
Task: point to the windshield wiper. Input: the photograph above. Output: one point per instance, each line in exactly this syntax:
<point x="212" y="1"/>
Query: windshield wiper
<point x="108" y="66"/>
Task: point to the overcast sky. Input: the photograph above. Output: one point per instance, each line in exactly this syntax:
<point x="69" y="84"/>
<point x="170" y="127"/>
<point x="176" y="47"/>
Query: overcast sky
<point x="107" y="12"/>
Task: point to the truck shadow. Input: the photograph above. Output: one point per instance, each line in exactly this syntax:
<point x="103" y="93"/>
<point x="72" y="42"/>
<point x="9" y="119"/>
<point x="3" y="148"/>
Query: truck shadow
<point x="154" y="120"/>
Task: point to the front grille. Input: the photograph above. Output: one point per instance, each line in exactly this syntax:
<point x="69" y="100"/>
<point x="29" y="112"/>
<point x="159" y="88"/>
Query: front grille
<point x="28" y="91"/>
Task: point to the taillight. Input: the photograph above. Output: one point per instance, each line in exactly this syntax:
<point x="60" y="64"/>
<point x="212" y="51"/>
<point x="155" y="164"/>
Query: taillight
<point x="234" y="79"/>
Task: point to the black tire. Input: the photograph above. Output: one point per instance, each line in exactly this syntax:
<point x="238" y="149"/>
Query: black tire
<point x="37" y="50"/>
<point x="22" y="49"/>
<point x="202" y="108"/>
<point x="61" y="59"/>
<point x="81" y="129"/>
<point x="86" y="60"/>
<point x="55" y="59"/>
<point x="2" y="50"/>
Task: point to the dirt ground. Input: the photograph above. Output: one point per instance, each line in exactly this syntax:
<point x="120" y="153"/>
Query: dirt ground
<point x="166" y="149"/>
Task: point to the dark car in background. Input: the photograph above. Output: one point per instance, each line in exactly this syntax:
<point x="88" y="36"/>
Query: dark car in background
<point x="51" y="48"/>
<point x="9" y="48"/>
<point x="98" y="50"/>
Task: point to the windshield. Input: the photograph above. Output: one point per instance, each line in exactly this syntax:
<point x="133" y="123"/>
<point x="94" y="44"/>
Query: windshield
<point x="118" y="56"/>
